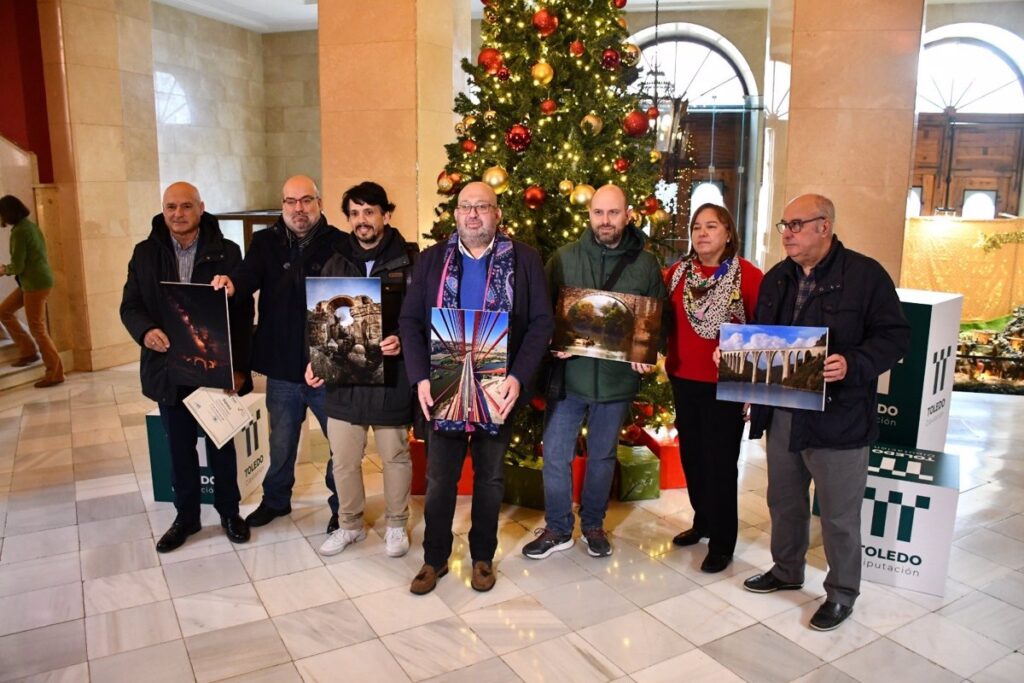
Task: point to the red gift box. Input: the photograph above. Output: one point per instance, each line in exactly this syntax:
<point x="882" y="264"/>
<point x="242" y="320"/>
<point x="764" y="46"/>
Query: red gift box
<point x="418" y="454"/>
<point x="667" y="450"/>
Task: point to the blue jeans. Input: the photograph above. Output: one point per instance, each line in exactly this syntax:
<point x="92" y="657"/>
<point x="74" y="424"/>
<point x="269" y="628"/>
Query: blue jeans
<point x="286" y="404"/>
<point x="564" y="419"/>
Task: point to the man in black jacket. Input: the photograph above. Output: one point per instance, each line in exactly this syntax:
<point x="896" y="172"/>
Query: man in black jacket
<point x="372" y="249"/>
<point x="186" y="245"/>
<point x="277" y="264"/>
<point x="823" y="284"/>
<point x="477" y="268"/>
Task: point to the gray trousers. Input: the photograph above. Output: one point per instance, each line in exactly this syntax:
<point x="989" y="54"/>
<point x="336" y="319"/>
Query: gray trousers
<point x="840" y="476"/>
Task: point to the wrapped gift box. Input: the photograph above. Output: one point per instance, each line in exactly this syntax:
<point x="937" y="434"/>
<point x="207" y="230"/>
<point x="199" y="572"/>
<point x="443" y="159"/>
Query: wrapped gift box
<point x="639" y="473"/>
<point x="418" y="455"/>
<point x="667" y="450"/>
<point x="524" y="483"/>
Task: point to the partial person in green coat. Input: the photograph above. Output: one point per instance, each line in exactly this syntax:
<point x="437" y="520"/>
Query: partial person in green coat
<point x="31" y="269"/>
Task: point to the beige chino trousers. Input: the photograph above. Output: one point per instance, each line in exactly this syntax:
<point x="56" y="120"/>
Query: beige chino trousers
<point x="348" y="445"/>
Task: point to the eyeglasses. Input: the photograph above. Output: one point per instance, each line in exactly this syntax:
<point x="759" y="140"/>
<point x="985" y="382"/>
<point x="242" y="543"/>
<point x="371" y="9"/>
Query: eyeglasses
<point x="306" y="201"/>
<point x="479" y="208"/>
<point x="796" y="225"/>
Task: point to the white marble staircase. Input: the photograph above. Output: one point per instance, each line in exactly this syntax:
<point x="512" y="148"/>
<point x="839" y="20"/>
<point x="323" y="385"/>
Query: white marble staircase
<point x="14" y="377"/>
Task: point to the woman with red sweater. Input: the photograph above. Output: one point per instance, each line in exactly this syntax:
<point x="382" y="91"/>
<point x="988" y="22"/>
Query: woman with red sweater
<point x="712" y="285"/>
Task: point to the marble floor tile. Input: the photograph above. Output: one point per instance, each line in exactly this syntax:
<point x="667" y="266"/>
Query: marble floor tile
<point x="121" y="591"/>
<point x="698" y="668"/>
<point x="687" y="562"/>
<point x="163" y="663"/>
<point x="235" y="651"/>
<point x="536" y="575"/>
<point x="39" y="544"/>
<point x="263" y="562"/>
<point x="76" y="673"/>
<point x="759" y="653"/>
<point x="103" y="469"/>
<point x="370" y="574"/>
<point x="990" y="617"/>
<point x="209" y="541"/>
<point x="42" y="649"/>
<point x="1011" y="526"/>
<point x="1008" y="588"/>
<point x="397" y="609"/>
<point x="204" y="574"/>
<point x="281" y="529"/>
<point x="43" y="477"/>
<point x="949" y="645"/>
<point x="369" y="661"/>
<point x="43" y="459"/>
<point x="97" y="436"/>
<point x="282" y="673"/>
<point x="22" y="577"/>
<point x="793" y="624"/>
<point x="84" y="419"/>
<point x="700" y="616"/>
<point x="130" y="629"/>
<point x="50" y="442"/>
<point x="291" y="592"/>
<point x="635" y="641"/>
<point x="119" y="559"/>
<point x="568" y="659"/>
<point x="826" y="674"/>
<point x="83" y="455"/>
<point x="114" y="531"/>
<point x="761" y="606"/>
<point x="1006" y="670"/>
<point x="584" y="603"/>
<point x="638" y="577"/>
<point x="105" y="486"/>
<point x="515" y="624"/>
<point x="218" y="609"/>
<point x="493" y="670"/>
<point x="885" y="660"/>
<point x="437" y="648"/>
<point x="994" y="547"/>
<point x="883" y="611"/>
<point x="456" y="590"/>
<point x="39" y="518"/>
<point x="42" y="607"/>
<point x="320" y="629"/>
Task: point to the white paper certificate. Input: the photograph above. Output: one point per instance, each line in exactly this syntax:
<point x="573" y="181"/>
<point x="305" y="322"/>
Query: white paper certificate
<point x="220" y="415"/>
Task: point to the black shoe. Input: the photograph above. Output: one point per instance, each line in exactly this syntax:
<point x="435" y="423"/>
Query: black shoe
<point x="767" y="583"/>
<point x="688" y="537"/>
<point x="597" y="543"/>
<point x="830" y="615"/>
<point x="715" y="563"/>
<point x="236" y="529"/>
<point x="176" y="536"/>
<point x="264" y="514"/>
<point x="332" y="525"/>
<point x="547" y="542"/>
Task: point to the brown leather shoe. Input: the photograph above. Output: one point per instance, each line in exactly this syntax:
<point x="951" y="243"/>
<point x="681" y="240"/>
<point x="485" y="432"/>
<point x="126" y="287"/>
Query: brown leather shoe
<point x="43" y="383"/>
<point x="23" y="362"/>
<point x="427" y="579"/>
<point x="483" y="576"/>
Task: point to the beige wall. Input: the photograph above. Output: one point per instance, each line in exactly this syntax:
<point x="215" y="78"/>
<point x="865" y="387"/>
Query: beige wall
<point x="292" y="107"/>
<point x="1007" y="15"/>
<point x="219" y="68"/>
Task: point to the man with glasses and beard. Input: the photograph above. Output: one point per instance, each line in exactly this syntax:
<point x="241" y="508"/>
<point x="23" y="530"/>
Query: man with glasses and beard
<point x="276" y="265"/>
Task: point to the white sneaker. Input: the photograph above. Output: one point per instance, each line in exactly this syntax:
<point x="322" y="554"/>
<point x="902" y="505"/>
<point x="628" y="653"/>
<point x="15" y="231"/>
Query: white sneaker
<point x="341" y="539"/>
<point x="396" y="541"/>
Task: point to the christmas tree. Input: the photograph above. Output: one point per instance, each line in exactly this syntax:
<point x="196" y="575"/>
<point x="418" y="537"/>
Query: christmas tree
<point x="549" y="117"/>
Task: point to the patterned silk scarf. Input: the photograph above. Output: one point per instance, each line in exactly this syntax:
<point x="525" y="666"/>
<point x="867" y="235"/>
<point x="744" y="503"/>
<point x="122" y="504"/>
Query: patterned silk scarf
<point x="710" y="301"/>
<point x="498" y="294"/>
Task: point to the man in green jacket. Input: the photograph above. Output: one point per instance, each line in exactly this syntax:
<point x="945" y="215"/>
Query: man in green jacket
<point x="598" y="390"/>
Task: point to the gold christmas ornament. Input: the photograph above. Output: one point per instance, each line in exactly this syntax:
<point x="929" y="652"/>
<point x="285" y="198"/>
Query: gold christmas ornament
<point x="582" y="194"/>
<point x="591" y="124"/>
<point x="565" y="187"/>
<point x="445" y="184"/>
<point x="622" y="22"/>
<point x="468" y="121"/>
<point x="630" y="54"/>
<point x="444" y="217"/>
<point x="659" y="218"/>
<point x="542" y="72"/>
<point x="490" y="115"/>
<point x="655" y="156"/>
<point x="460" y="129"/>
<point x="497" y="178"/>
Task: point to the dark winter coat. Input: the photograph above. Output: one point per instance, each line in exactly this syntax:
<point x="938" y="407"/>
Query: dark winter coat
<point x="391" y="404"/>
<point x="856" y="299"/>
<point x="274" y="267"/>
<point x="154" y="261"/>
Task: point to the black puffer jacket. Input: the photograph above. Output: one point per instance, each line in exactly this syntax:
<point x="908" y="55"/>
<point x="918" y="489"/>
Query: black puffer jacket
<point x="391" y="404"/>
<point x="856" y="299"/>
<point x="274" y="267"/>
<point x="154" y="261"/>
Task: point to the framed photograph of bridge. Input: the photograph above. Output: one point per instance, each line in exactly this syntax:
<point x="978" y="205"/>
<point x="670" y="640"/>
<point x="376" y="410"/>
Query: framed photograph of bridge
<point x="607" y="325"/>
<point x="776" y="365"/>
<point x="343" y="329"/>
<point x="468" y="362"/>
<point x="195" y="319"/>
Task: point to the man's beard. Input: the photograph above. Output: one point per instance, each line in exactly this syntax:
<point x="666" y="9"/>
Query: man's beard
<point x="607" y="238"/>
<point x="366" y="238"/>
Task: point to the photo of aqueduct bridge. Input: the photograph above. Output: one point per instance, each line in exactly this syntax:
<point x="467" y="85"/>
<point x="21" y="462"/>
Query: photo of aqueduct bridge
<point x="343" y="325"/>
<point x="777" y="365"/>
<point x="608" y="325"/>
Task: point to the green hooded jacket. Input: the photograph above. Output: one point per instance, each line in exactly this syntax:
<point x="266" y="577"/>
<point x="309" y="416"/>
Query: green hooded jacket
<point x="587" y="263"/>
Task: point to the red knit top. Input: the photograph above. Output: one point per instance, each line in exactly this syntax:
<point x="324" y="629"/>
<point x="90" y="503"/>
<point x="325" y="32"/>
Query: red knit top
<point x="689" y="355"/>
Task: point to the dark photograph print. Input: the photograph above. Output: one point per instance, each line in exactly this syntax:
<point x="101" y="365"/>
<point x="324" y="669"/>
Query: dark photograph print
<point x="468" y="357"/>
<point x="343" y="324"/>
<point x="608" y="325"/>
<point x="775" y="365"/>
<point x="196" y="323"/>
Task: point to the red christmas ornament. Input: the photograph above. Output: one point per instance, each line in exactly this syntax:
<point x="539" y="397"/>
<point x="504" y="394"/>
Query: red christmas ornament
<point x="619" y="4"/>
<point x="548" y="107"/>
<point x="576" y="48"/>
<point x="650" y="205"/>
<point x="545" y="22"/>
<point x="538" y="403"/>
<point x="503" y="74"/>
<point x="653" y="113"/>
<point x="491" y="60"/>
<point x="635" y="123"/>
<point x="621" y="165"/>
<point x="456" y="178"/>
<point x="534" y="196"/>
<point x="518" y="138"/>
<point x="611" y="59"/>
<point x="469" y="146"/>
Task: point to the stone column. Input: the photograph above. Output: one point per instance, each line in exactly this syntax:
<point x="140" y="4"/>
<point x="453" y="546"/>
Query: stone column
<point x="841" y="81"/>
<point x="386" y="97"/>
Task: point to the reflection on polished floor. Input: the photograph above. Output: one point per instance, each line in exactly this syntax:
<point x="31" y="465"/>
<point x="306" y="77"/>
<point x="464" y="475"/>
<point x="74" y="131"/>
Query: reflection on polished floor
<point x="84" y="596"/>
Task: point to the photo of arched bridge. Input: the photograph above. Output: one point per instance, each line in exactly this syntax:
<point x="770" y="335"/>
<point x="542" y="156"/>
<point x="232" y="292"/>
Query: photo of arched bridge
<point x="778" y="365"/>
